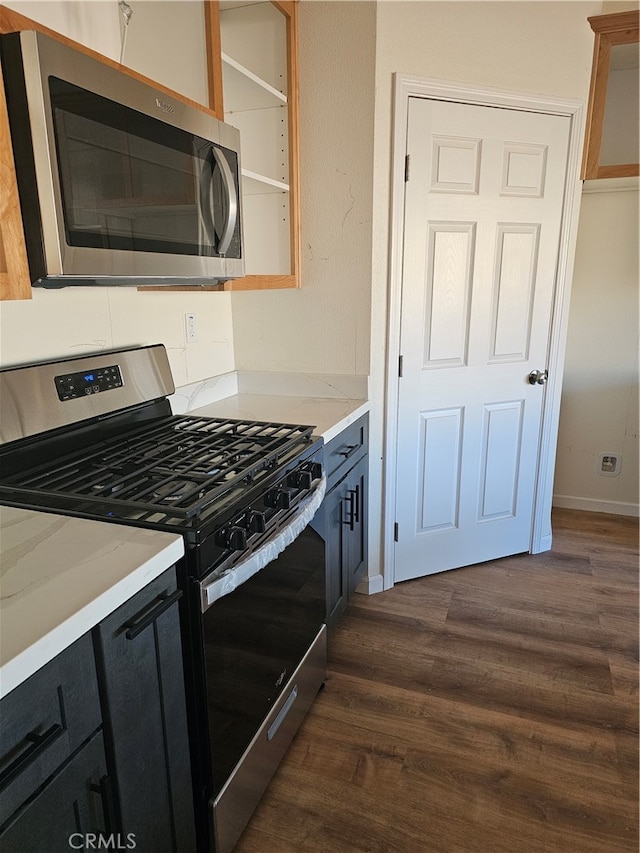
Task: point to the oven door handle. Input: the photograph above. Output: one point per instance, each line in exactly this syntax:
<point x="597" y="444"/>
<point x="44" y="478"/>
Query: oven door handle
<point x="211" y="591"/>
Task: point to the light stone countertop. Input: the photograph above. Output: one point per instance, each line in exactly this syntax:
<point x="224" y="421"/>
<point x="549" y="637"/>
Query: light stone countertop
<point x="328" y="415"/>
<point x="60" y="576"/>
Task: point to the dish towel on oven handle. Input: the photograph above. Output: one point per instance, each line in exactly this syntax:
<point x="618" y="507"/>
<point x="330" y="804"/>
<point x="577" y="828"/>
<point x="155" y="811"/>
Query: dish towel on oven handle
<point x="261" y="557"/>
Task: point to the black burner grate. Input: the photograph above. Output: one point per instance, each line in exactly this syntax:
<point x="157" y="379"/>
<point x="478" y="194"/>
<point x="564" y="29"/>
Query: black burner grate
<point x="165" y="472"/>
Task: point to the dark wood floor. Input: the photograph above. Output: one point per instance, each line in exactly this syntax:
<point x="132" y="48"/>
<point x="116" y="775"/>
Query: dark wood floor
<point x="489" y="709"/>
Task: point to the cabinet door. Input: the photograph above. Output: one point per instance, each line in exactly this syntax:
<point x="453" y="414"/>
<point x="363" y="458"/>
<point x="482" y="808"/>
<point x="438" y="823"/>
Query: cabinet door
<point x="356" y="525"/>
<point x="68" y="813"/>
<point x="44" y="721"/>
<point x="334" y="518"/>
<point x="345" y="516"/>
<point x="140" y="664"/>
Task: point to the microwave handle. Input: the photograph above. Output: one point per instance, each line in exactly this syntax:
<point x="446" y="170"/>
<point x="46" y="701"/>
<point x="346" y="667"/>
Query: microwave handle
<point x="232" y="201"/>
<point x="206" y="211"/>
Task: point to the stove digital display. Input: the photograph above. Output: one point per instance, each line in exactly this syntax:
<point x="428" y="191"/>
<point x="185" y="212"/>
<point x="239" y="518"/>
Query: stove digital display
<point x="74" y="385"/>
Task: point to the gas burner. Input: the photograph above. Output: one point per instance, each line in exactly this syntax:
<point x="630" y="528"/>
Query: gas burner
<point x="174" y="491"/>
<point x="104" y="487"/>
<point x="170" y="448"/>
<point x="169" y="472"/>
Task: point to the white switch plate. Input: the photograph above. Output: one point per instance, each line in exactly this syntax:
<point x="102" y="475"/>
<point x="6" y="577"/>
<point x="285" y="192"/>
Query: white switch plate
<point x="190" y="328"/>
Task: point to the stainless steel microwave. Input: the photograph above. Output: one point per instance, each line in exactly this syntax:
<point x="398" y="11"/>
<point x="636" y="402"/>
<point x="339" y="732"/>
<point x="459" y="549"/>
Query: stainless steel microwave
<point x="119" y="183"/>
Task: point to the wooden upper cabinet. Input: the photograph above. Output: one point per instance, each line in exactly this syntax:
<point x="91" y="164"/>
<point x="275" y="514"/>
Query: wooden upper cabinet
<point x="15" y="282"/>
<point x="214" y="59"/>
<point x="252" y="81"/>
<point x="611" y="139"/>
<point x="252" y="73"/>
<point x="259" y="69"/>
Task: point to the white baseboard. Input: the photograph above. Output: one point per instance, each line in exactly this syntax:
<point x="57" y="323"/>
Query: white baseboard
<point x="371" y="585"/>
<point x="544" y="545"/>
<point x="595" y="505"/>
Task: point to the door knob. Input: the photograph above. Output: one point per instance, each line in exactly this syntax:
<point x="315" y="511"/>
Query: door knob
<point x="538" y="377"/>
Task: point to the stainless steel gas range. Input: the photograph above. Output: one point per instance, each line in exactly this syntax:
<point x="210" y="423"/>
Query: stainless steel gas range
<point x="95" y="437"/>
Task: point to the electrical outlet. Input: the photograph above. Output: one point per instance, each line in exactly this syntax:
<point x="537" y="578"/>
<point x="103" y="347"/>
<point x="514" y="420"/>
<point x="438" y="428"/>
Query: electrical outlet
<point x="190" y="328"/>
<point x="609" y="464"/>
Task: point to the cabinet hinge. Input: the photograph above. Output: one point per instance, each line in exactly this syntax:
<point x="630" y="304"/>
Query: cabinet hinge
<point x="407" y="167"/>
<point x="395" y="532"/>
<point x="400" y="365"/>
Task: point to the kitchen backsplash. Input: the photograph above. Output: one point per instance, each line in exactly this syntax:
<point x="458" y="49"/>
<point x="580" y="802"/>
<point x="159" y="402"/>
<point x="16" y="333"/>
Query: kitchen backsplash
<point x="74" y="321"/>
<point x="194" y="395"/>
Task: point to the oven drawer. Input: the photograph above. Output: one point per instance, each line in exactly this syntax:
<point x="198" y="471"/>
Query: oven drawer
<point x="347" y="448"/>
<point x="44" y="720"/>
<point x="234" y="805"/>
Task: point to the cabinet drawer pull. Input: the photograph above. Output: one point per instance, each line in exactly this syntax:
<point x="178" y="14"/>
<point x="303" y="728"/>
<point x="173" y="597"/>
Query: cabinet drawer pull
<point x="349" y="450"/>
<point x="136" y="626"/>
<point x="356" y="513"/>
<point x="39" y="743"/>
<point x="351" y="510"/>
<point x="105" y="789"/>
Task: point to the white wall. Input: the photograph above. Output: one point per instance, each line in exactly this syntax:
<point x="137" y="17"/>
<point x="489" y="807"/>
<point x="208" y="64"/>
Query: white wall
<point x="93" y="24"/>
<point x="542" y="48"/>
<point x="166" y="41"/>
<point x="337" y="323"/>
<point x="324" y="327"/>
<point x="77" y="320"/>
<point x="599" y="412"/>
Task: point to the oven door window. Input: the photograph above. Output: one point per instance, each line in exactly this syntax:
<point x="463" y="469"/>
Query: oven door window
<point x="132" y="182"/>
<point x="254" y="640"/>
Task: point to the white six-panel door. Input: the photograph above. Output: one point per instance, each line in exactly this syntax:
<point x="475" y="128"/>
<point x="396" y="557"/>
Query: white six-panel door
<point x="483" y="210"/>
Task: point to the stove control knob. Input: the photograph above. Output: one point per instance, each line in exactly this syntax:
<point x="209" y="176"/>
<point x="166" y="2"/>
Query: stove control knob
<point x="255" y="522"/>
<point x="278" y="498"/>
<point x="233" y="538"/>
<point x="300" y="480"/>
<point x="316" y="470"/>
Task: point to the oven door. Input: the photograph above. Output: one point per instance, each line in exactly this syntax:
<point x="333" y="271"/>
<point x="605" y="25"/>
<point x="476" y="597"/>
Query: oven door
<point x="265" y="660"/>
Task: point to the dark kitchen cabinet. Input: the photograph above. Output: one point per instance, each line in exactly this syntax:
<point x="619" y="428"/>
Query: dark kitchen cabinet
<point x="345" y="516"/>
<point x="139" y="660"/>
<point x="68" y="811"/>
<point x="95" y="742"/>
<point x="53" y="773"/>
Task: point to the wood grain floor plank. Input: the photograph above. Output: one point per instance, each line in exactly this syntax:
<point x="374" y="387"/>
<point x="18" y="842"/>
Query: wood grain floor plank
<point x="492" y="709"/>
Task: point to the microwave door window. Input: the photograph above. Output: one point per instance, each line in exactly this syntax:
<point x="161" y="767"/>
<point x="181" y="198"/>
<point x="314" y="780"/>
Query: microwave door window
<point x="128" y="181"/>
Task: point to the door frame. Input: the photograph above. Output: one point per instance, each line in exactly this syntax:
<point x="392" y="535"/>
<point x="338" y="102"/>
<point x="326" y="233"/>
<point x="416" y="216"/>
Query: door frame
<point x="405" y="87"/>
